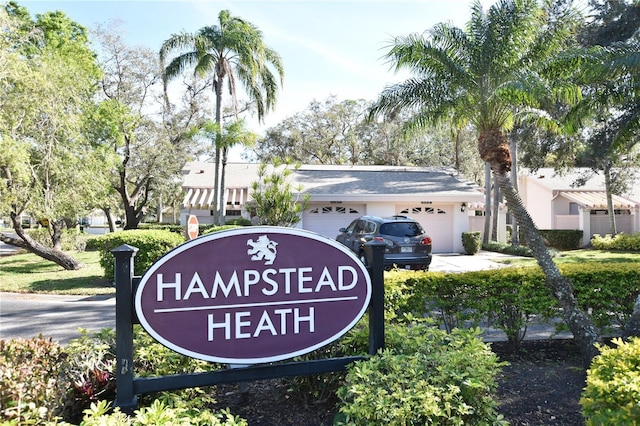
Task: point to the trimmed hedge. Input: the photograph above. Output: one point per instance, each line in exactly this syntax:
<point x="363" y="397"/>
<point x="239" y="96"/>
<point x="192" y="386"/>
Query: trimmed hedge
<point x="509" y="298"/>
<point x="471" y="241"/>
<point x="151" y="244"/>
<point x="562" y="239"/>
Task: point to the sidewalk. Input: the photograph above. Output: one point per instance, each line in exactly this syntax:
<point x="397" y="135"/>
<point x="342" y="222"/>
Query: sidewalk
<point x="456" y="262"/>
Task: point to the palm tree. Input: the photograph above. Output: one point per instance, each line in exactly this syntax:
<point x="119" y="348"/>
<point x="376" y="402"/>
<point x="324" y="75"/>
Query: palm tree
<point x="233" y="50"/>
<point x="491" y="73"/>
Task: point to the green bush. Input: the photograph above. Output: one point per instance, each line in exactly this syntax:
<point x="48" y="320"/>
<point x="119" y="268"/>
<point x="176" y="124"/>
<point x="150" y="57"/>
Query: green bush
<point x="613" y="385"/>
<point x="171" y="227"/>
<point x="41" y="381"/>
<point x="506" y="298"/>
<point x="30" y="392"/>
<point x="89" y="372"/>
<point x="151" y="244"/>
<point x="471" y="241"/>
<point x="241" y="221"/>
<point x="624" y="242"/>
<point x="158" y="413"/>
<point x="218" y="228"/>
<point x="606" y="290"/>
<point x="510" y="298"/>
<point x="508" y="249"/>
<point x="562" y="239"/>
<point x="426" y="376"/>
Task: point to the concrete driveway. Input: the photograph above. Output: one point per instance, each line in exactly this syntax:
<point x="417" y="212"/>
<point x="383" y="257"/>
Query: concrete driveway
<point x="456" y="262"/>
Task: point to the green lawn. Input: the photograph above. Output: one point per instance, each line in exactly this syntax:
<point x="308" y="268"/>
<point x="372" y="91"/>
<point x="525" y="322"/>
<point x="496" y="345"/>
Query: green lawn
<point x="28" y="273"/>
<point x="579" y="256"/>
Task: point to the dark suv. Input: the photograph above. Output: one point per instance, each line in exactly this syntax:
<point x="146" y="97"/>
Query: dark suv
<point x="407" y="244"/>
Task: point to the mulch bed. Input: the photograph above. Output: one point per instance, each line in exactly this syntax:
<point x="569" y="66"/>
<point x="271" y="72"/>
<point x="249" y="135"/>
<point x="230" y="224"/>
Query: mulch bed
<point x="540" y="386"/>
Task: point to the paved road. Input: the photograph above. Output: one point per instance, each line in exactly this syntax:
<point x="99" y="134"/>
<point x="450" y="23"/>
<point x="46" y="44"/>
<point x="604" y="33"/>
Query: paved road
<point x="59" y="317"/>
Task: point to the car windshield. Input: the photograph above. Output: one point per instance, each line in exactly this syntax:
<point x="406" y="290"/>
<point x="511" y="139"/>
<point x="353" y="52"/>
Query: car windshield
<point x="401" y="229"/>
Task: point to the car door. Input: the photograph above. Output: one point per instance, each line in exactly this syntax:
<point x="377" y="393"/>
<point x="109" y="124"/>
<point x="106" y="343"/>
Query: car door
<point x="346" y="235"/>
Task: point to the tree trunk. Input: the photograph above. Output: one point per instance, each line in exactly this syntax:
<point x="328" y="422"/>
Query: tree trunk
<point x="584" y="333"/>
<point x="24" y="241"/>
<point x="458" y="143"/>
<point x="515" y="233"/>
<point x="225" y="154"/>
<point x="495" y="211"/>
<point x="612" y="213"/>
<point x="487" y="203"/>
<point x="109" y="216"/>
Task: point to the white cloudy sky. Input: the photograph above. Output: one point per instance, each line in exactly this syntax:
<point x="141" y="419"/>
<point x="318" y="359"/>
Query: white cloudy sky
<point x="327" y="47"/>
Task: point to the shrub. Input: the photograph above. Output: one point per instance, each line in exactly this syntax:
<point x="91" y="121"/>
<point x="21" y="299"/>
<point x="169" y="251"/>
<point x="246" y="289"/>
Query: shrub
<point x="623" y="242"/>
<point x="506" y="298"/>
<point x="158" y="413"/>
<point x="562" y="239"/>
<point x="507" y="249"/>
<point x="218" y="228"/>
<point x="425" y="377"/>
<point x="88" y="372"/>
<point x="613" y="385"/>
<point x="241" y="221"/>
<point x="29" y="387"/>
<point x="471" y="241"/>
<point x="151" y="244"/>
<point x="608" y="291"/>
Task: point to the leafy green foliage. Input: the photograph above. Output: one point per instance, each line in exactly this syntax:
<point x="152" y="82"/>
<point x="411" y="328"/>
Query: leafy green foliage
<point x="151" y="244"/>
<point x="471" y="241"/>
<point x="277" y="202"/>
<point x="509" y="298"/>
<point x="426" y="376"/>
<point x="508" y="249"/>
<point x="619" y="242"/>
<point x="88" y="372"/>
<point x="562" y="239"/>
<point x="608" y="291"/>
<point x="70" y="239"/>
<point x="29" y="387"/>
<point x="158" y="413"/>
<point x="613" y="385"/>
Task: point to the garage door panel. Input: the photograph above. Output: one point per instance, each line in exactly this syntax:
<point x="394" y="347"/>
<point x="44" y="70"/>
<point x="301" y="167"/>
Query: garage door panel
<point x="327" y="219"/>
<point x="437" y="220"/>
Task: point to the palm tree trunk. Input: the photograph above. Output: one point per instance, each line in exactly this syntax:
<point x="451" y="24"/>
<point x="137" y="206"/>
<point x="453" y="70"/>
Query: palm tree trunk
<point x="495" y="211"/>
<point x="216" y="181"/>
<point x="487" y="203"/>
<point x="225" y="154"/>
<point x="612" y="213"/>
<point x="515" y="233"/>
<point x="584" y="333"/>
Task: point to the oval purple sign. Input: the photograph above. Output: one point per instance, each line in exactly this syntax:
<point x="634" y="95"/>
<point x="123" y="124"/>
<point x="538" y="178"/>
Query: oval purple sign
<point x="252" y="295"/>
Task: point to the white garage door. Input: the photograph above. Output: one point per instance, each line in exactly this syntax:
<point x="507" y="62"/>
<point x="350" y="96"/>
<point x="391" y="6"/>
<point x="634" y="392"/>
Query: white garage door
<point x="328" y="219"/>
<point x="437" y="221"/>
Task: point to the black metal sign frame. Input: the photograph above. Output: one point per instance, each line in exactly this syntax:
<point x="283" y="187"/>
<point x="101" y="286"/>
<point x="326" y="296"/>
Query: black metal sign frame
<point x="128" y="387"/>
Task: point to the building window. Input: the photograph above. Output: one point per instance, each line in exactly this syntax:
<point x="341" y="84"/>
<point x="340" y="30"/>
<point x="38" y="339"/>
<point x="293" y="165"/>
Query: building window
<point x="573" y="208"/>
<point x="233" y="213"/>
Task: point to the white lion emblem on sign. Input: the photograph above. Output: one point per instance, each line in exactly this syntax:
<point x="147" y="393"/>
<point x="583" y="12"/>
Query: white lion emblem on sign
<point x="263" y="249"/>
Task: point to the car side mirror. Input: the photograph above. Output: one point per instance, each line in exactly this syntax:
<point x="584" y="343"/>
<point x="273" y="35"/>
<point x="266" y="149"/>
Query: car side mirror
<point x="342" y="229"/>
